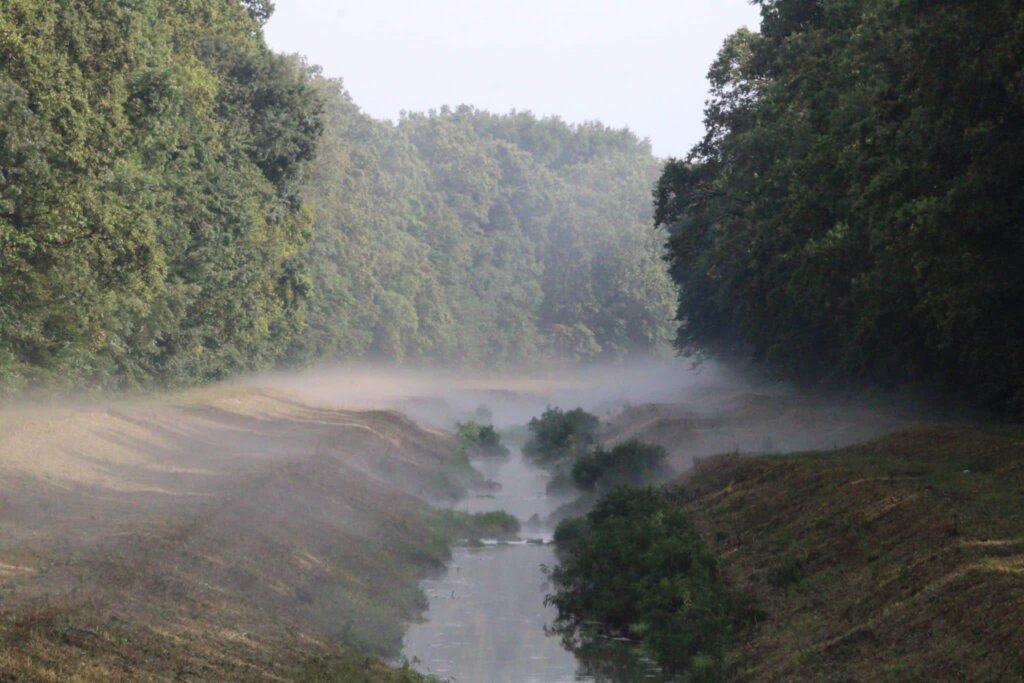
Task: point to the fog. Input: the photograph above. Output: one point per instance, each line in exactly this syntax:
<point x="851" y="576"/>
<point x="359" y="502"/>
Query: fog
<point x="692" y="409"/>
<point x="441" y="396"/>
<point x="486" y="616"/>
<point x="198" y="198"/>
<point x="300" y="480"/>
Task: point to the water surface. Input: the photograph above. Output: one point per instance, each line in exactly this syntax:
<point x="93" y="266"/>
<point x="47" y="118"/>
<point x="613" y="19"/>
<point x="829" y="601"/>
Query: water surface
<point x="486" y="616"/>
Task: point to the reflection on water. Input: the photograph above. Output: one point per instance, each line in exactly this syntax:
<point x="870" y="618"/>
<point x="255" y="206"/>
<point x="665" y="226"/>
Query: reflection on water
<point x="486" y="621"/>
<point x="613" y="660"/>
<point x="486" y="615"/>
<point x="522" y="491"/>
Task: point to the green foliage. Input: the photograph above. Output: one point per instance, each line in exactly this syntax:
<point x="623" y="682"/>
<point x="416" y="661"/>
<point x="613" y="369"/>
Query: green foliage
<point x="631" y="463"/>
<point x="481" y="439"/>
<point x="855" y="209"/>
<point x="635" y="568"/>
<point x="455" y="525"/>
<point x="559" y="435"/>
<point x="260" y="10"/>
<point x="149" y="224"/>
<point x="163" y="221"/>
<point x="472" y="238"/>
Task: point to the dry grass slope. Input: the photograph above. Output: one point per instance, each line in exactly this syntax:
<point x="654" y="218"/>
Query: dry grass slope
<point x="219" y="535"/>
<point x="901" y="559"/>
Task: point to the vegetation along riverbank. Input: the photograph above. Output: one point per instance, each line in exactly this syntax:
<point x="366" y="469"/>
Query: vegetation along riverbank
<point x="897" y="559"/>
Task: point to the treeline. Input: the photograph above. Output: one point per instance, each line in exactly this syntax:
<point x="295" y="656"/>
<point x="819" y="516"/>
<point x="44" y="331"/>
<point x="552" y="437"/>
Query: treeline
<point x="178" y="203"/>
<point x="855" y="210"/>
<point x="151" y="155"/>
<point x="476" y="238"/>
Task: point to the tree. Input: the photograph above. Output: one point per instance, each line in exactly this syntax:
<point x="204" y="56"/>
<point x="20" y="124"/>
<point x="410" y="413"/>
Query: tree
<point x="507" y="238"/>
<point x="852" y="213"/>
<point x="150" y="230"/>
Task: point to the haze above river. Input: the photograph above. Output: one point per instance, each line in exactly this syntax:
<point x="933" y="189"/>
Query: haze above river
<point x="486" y="617"/>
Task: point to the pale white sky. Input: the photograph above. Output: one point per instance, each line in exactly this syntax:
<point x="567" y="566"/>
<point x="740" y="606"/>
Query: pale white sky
<point x="635" y="63"/>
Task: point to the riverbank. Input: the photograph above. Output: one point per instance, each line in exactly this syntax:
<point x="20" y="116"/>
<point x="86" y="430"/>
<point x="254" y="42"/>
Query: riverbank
<point x="225" y="534"/>
<point x="901" y="558"/>
<point x="898" y="559"/>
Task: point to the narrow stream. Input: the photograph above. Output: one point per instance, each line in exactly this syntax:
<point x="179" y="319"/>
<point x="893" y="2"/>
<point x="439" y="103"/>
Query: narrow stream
<point x="486" y="616"/>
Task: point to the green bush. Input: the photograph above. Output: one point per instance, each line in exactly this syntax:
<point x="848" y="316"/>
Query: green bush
<point x="557" y="435"/>
<point x="631" y="463"/>
<point x="637" y="569"/>
<point x="480" y="439"/>
<point x="456" y="525"/>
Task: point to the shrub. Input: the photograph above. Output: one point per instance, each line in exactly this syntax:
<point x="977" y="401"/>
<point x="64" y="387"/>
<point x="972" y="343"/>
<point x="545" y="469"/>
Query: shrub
<point x="631" y="463"/>
<point x="636" y="567"/>
<point x="480" y="439"/>
<point x="458" y="525"/>
<point x="556" y="435"/>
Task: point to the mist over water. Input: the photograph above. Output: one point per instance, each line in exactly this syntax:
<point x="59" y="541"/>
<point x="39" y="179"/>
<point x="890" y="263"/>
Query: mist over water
<point x="205" y="451"/>
<point x="486" y="617"/>
<point x="692" y="410"/>
<point x="837" y="495"/>
<point x="439" y="397"/>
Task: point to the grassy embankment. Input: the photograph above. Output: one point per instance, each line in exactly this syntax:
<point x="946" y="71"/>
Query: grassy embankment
<point x="898" y="559"/>
<point x="219" y="535"/>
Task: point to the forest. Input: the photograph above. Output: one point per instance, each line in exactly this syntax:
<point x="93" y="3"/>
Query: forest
<point x="151" y="223"/>
<point x="473" y="238"/>
<point x="179" y="204"/>
<point x="854" y="213"/>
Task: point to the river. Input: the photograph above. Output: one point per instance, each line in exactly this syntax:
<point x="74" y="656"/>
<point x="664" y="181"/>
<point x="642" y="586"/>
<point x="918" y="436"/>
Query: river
<point x="486" y="616"/>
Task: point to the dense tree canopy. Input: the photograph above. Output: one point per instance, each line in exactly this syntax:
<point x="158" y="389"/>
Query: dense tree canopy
<point x="856" y="209"/>
<point x="150" y="158"/>
<point x="162" y="220"/>
<point x="471" y="237"/>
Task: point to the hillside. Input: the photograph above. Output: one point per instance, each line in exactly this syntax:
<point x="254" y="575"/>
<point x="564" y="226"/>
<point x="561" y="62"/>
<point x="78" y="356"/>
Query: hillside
<point x="723" y="419"/>
<point x="228" y="534"/>
<point x="899" y="559"/>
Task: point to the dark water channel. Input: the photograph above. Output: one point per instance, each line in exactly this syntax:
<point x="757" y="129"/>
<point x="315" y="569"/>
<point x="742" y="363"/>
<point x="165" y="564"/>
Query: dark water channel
<point x="486" y="616"/>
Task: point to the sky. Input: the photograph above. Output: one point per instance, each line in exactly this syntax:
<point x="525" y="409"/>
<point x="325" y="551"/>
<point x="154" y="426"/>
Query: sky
<point x="640" y="64"/>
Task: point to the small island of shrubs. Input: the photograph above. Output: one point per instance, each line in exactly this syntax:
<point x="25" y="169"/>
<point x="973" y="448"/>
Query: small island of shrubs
<point x="635" y="568"/>
<point x="480" y="439"/>
<point x="632" y="570"/>
<point x="566" y="442"/>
